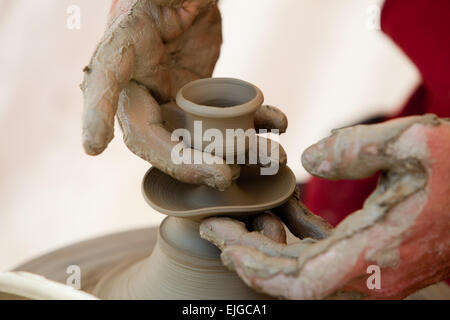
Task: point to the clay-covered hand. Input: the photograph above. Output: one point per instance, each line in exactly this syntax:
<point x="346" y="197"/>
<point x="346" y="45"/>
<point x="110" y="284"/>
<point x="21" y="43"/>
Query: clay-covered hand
<point x="403" y="228"/>
<point x="152" y="48"/>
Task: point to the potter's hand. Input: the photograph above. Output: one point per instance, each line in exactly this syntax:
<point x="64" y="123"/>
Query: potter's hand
<point x="150" y="50"/>
<point x="402" y="228"/>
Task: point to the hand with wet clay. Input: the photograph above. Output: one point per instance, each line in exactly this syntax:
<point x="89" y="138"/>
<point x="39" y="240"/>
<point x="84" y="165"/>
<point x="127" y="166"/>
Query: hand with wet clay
<point x="151" y="49"/>
<point x="403" y="228"/>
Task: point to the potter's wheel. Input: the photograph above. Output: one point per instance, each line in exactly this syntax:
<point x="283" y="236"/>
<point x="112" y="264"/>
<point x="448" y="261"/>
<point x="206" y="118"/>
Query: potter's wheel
<point x="95" y="257"/>
<point x="99" y="255"/>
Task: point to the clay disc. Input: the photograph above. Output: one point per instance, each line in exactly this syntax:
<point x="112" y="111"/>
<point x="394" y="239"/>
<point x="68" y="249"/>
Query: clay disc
<point x="251" y="193"/>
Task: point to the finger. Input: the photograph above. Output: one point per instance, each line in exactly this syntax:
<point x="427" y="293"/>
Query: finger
<point x="267" y="274"/>
<point x="270" y="118"/>
<point x="141" y="121"/>
<point x="302" y="222"/>
<point x="107" y="74"/>
<point x="270" y="226"/>
<point x="266" y="153"/>
<point x="358" y="152"/>
<point x="173" y="116"/>
<point x="223" y="232"/>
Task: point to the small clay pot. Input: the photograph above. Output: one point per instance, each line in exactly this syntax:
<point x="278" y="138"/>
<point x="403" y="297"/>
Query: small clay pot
<point x="219" y="103"/>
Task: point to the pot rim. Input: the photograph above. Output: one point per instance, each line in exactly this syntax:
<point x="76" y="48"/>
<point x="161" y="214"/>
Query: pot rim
<point x="219" y="112"/>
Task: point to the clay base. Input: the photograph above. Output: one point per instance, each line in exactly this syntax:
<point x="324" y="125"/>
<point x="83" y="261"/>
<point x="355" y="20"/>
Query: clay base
<point x="182" y="266"/>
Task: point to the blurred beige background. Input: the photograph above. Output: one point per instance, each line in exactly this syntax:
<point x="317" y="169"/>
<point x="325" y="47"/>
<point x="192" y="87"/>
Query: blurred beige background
<point x="315" y="59"/>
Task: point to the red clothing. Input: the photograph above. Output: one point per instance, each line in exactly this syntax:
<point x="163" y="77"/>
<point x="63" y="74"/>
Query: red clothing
<point x="421" y="28"/>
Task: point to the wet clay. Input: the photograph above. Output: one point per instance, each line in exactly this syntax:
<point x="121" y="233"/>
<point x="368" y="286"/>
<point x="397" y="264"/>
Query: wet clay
<point x="123" y="78"/>
<point x="389" y="231"/>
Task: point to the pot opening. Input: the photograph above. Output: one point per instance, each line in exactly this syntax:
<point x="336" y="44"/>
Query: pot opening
<point x="220" y="103"/>
<point x="220" y="93"/>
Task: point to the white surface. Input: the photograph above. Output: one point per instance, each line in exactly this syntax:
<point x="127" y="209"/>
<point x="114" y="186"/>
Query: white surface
<point x="33" y="287"/>
<point x="315" y="59"/>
